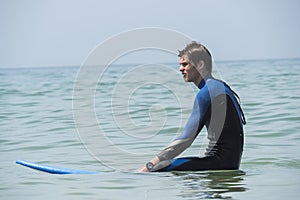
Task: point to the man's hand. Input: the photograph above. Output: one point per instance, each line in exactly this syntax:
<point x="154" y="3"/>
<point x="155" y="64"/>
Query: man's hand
<point x="143" y="169"/>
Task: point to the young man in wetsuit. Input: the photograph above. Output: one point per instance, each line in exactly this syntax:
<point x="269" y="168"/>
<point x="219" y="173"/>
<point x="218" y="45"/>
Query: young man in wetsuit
<point x="216" y="107"/>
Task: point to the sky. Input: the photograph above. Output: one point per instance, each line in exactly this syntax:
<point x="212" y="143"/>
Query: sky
<point x="63" y="32"/>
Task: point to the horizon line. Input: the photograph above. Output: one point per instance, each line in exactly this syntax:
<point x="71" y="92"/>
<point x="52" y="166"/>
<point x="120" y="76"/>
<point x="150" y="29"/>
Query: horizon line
<point x="169" y="62"/>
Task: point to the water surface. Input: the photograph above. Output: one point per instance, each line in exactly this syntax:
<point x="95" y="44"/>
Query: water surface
<point x="37" y="124"/>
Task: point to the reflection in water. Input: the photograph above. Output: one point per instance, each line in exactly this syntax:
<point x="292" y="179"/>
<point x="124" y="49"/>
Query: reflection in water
<point x="211" y="184"/>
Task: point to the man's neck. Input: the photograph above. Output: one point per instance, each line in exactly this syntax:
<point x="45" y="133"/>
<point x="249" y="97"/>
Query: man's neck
<point x="201" y="77"/>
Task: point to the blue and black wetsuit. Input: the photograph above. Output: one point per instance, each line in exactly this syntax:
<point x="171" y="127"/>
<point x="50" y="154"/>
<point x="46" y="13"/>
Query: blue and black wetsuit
<point x="216" y="107"/>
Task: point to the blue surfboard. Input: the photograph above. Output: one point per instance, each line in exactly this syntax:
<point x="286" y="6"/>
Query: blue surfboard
<point x="51" y="169"/>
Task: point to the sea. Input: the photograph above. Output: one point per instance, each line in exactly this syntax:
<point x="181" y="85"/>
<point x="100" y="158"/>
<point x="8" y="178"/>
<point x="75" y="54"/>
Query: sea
<point x="113" y="119"/>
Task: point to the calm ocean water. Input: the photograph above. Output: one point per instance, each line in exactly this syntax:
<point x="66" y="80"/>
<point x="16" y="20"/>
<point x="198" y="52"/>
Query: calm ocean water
<point x="137" y="120"/>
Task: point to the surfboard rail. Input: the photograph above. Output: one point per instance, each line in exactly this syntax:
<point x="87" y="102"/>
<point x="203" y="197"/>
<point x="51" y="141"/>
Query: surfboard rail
<point x="52" y="169"/>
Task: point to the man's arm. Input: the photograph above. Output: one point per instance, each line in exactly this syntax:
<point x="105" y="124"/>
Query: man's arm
<point x="186" y="138"/>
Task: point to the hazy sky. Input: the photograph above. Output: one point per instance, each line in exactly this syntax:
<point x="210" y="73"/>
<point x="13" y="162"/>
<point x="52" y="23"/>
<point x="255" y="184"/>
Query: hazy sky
<point x="58" y="32"/>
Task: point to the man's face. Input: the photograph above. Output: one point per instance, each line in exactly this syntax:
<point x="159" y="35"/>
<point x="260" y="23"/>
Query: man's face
<point x="189" y="72"/>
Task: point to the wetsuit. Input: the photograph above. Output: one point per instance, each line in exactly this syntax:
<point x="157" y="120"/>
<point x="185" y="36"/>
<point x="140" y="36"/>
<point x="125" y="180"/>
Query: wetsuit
<point x="216" y="107"/>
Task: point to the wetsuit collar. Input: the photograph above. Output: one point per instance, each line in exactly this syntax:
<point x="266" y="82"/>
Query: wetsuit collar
<point x="202" y="82"/>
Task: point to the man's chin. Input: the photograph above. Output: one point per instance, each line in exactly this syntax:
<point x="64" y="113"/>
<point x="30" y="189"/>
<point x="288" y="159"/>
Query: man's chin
<point x="186" y="79"/>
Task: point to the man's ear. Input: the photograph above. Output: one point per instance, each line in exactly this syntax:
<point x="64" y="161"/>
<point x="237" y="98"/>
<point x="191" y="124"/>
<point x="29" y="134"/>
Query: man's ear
<point x="200" y="65"/>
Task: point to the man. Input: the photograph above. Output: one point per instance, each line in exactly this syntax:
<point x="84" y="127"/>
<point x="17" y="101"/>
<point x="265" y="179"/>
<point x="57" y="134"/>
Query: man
<point x="216" y="107"/>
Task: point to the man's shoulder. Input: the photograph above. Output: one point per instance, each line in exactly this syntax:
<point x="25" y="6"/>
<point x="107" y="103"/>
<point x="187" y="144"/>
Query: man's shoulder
<point x="212" y="88"/>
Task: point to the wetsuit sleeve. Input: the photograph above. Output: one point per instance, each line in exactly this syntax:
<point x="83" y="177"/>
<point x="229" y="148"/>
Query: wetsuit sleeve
<point x="193" y="126"/>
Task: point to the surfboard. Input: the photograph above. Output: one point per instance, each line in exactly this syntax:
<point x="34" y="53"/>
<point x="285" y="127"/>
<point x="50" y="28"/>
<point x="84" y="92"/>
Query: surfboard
<point x="52" y="169"/>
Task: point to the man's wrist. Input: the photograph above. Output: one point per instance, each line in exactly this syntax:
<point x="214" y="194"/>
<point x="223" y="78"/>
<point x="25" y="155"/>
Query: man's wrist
<point x="152" y="163"/>
<point x="155" y="160"/>
<point x="149" y="166"/>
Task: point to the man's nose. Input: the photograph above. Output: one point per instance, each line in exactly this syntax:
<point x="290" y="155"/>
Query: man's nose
<point x="181" y="68"/>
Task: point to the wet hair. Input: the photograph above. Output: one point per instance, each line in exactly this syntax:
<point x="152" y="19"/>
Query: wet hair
<point x="197" y="52"/>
